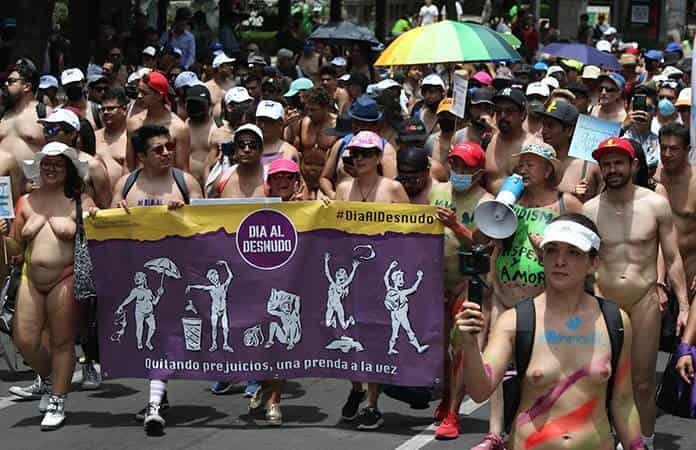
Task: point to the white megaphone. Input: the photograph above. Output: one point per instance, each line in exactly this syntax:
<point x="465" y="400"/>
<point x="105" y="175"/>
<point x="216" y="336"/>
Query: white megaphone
<point x="496" y="218"/>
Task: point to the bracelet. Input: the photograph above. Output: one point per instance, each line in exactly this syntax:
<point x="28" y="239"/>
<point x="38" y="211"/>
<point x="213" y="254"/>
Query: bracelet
<point x="684" y="349"/>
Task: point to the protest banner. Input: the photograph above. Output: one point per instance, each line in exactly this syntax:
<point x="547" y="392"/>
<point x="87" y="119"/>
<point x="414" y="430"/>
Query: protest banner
<point x="286" y="290"/>
<point x="589" y="132"/>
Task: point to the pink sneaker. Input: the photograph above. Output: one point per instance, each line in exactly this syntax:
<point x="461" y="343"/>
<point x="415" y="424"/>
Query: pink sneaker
<point x="441" y="410"/>
<point x="491" y="441"/>
<point x="448" y="428"/>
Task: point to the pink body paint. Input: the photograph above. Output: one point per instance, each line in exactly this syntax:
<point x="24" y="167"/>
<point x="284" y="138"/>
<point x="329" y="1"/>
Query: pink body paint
<point x="623" y="370"/>
<point x="546" y="401"/>
<point x="556" y="428"/>
<point x="637" y="444"/>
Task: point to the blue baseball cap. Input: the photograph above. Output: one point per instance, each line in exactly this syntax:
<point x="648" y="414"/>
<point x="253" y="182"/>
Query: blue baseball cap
<point x="655" y="55"/>
<point x="616" y="78"/>
<point x="541" y="66"/>
<point x="674" y="47"/>
<point x="365" y="109"/>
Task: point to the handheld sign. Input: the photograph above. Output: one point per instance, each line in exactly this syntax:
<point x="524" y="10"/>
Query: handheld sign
<point x="6" y="205"/>
<point x="460" y="88"/>
<point x="589" y="132"/>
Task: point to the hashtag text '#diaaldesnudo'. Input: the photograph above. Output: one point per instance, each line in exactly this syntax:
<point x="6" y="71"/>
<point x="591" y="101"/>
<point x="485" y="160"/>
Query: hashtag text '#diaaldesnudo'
<point x="384" y="217"/>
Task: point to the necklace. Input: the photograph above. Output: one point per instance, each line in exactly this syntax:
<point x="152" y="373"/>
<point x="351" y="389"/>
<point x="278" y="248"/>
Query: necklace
<point x="365" y="197"/>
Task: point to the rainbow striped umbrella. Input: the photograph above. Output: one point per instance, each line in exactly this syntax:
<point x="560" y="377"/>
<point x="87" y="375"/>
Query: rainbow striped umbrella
<point x="447" y="42"/>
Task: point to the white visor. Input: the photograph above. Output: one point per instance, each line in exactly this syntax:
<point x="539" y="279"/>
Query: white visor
<point x="571" y="233"/>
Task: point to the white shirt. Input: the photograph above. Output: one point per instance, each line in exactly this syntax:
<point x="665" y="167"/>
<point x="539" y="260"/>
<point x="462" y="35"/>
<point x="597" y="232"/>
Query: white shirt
<point x="428" y="14"/>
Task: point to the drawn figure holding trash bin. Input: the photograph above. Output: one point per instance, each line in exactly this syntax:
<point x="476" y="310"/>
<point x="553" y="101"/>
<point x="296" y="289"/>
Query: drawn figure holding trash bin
<point x="396" y="302"/>
<point x="338" y="290"/>
<point x="286" y="307"/>
<point x="218" y="305"/>
<point x="145" y="302"/>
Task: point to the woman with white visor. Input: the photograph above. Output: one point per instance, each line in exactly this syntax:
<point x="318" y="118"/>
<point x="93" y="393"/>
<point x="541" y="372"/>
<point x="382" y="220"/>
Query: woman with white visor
<point x="571" y="350"/>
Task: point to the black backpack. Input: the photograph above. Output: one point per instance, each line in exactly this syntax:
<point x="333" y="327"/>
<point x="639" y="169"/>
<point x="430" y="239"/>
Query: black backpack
<point x="178" y="179"/>
<point x="524" y="341"/>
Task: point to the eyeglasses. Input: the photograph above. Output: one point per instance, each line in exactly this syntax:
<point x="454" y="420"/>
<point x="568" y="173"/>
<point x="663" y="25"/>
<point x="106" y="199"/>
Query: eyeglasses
<point x="252" y="145"/>
<point x="364" y="153"/>
<point x="608" y="89"/>
<point x="12" y="80"/>
<point x="410" y="178"/>
<point x="283" y="176"/>
<point x="662" y="97"/>
<point x="100" y="88"/>
<point x="159" y="149"/>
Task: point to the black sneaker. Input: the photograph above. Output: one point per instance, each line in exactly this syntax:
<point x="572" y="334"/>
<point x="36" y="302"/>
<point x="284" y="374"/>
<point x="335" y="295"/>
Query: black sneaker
<point x="350" y="409"/>
<point x="153" y="423"/>
<point x="370" y="419"/>
<point x="163" y="409"/>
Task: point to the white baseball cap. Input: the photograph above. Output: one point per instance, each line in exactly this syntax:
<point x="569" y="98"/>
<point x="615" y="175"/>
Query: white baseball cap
<point x="150" y="51"/>
<point x="185" y="79"/>
<point x="237" y="94"/>
<point x="32" y="167"/>
<point x="571" y="233"/>
<point x="554" y="69"/>
<point x="250" y="127"/>
<point x="591" y="72"/>
<point x="138" y="74"/>
<point x="270" y="109"/>
<point x="603" y="45"/>
<point x="48" y="81"/>
<point x="222" y="59"/>
<point x="551" y="82"/>
<point x="345" y="78"/>
<point x="609" y="31"/>
<point x="73" y="75"/>
<point x="433" y="80"/>
<point x="386" y="84"/>
<point x="538" y="88"/>
<point x="671" y="71"/>
<point x="339" y="61"/>
<point x="62" y="115"/>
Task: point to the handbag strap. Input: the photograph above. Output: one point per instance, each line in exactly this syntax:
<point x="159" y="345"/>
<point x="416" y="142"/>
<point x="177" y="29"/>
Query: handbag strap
<point x="78" y="217"/>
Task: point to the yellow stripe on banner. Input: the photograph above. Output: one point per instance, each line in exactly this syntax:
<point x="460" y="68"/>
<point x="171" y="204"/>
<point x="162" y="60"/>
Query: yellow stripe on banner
<point x="153" y="223"/>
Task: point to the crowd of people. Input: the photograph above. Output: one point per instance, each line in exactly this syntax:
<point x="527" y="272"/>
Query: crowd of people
<point x="326" y="125"/>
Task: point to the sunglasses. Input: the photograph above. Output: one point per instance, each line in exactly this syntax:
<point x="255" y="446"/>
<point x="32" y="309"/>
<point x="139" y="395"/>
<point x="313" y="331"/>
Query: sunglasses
<point x="55" y="165"/>
<point x="159" y="149"/>
<point x="52" y="130"/>
<point x="364" y="153"/>
<point x="608" y="89"/>
<point x="283" y="176"/>
<point x="253" y="145"/>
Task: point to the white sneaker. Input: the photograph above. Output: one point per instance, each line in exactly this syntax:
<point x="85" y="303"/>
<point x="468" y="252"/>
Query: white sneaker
<point x="32" y="392"/>
<point x="274" y="416"/>
<point x="91" y="377"/>
<point x="55" y="413"/>
<point x="154" y="422"/>
<point x="43" y="403"/>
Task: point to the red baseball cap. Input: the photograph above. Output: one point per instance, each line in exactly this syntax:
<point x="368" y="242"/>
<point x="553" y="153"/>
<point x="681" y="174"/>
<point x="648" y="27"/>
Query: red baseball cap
<point x="472" y="154"/>
<point x="158" y="82"/>
<point x="283" y="165"/>
<point x="614" y="144"/>
<point x="632" y="51"/>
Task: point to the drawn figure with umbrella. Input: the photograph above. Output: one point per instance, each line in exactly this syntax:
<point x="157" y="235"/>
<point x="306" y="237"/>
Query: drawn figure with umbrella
<point x="145" y="301"/>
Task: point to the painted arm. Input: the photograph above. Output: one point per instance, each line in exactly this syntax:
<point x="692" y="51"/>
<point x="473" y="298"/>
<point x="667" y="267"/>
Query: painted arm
<point x="414" y="288"/>
<point x="623" y="407"/>
<point x="352" y="274"/>
<point x="326" y="268"/>
<point x="483" y="373"/>
<point x="668" y="242"/>
<point x="392" y="266"/>
<point x="229" y="273"/>
<point x="127" y="301"/>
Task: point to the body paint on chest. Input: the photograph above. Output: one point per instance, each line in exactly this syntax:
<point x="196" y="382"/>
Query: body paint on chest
<point x="563" y="425"/>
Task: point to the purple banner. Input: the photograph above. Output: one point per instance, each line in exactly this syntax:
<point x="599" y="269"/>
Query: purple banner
<point x="271" y="302"/>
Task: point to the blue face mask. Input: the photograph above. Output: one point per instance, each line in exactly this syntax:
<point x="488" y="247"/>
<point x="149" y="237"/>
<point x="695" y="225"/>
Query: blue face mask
<point x="666" y="107"/>
<point x="461" y="181"/>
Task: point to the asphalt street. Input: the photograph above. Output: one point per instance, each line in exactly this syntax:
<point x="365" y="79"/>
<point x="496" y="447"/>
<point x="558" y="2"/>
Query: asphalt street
<point x="104" y="419"/>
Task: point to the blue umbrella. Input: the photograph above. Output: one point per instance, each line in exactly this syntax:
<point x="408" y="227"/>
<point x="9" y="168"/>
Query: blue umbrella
<point x="583" y="53"/>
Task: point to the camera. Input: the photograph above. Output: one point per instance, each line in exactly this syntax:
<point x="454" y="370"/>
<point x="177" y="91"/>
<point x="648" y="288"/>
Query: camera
<point x="474" y="261"/>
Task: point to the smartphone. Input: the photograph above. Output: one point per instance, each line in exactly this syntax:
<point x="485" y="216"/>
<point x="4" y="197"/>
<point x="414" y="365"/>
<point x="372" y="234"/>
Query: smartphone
<point x="347" y="160"/>
<point x="227" y="149"/>
<point x="640" y="102"/>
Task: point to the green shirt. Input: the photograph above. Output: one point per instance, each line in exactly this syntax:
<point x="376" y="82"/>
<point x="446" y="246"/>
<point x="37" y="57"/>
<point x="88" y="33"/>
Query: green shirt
<point x="401" y="26"/>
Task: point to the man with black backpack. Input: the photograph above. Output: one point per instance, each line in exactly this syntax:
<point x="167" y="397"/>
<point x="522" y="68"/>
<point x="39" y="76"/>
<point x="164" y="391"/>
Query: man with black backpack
<point x="156" y="183"/>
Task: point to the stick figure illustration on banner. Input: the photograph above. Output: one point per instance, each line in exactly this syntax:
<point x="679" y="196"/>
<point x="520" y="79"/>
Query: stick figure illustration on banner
<point x="217" y="291"/>
<point x="338" y="291"/>
<point x="285" y="306"/>
<point x="145" y="302"/>
<point x="396" y="302"/>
